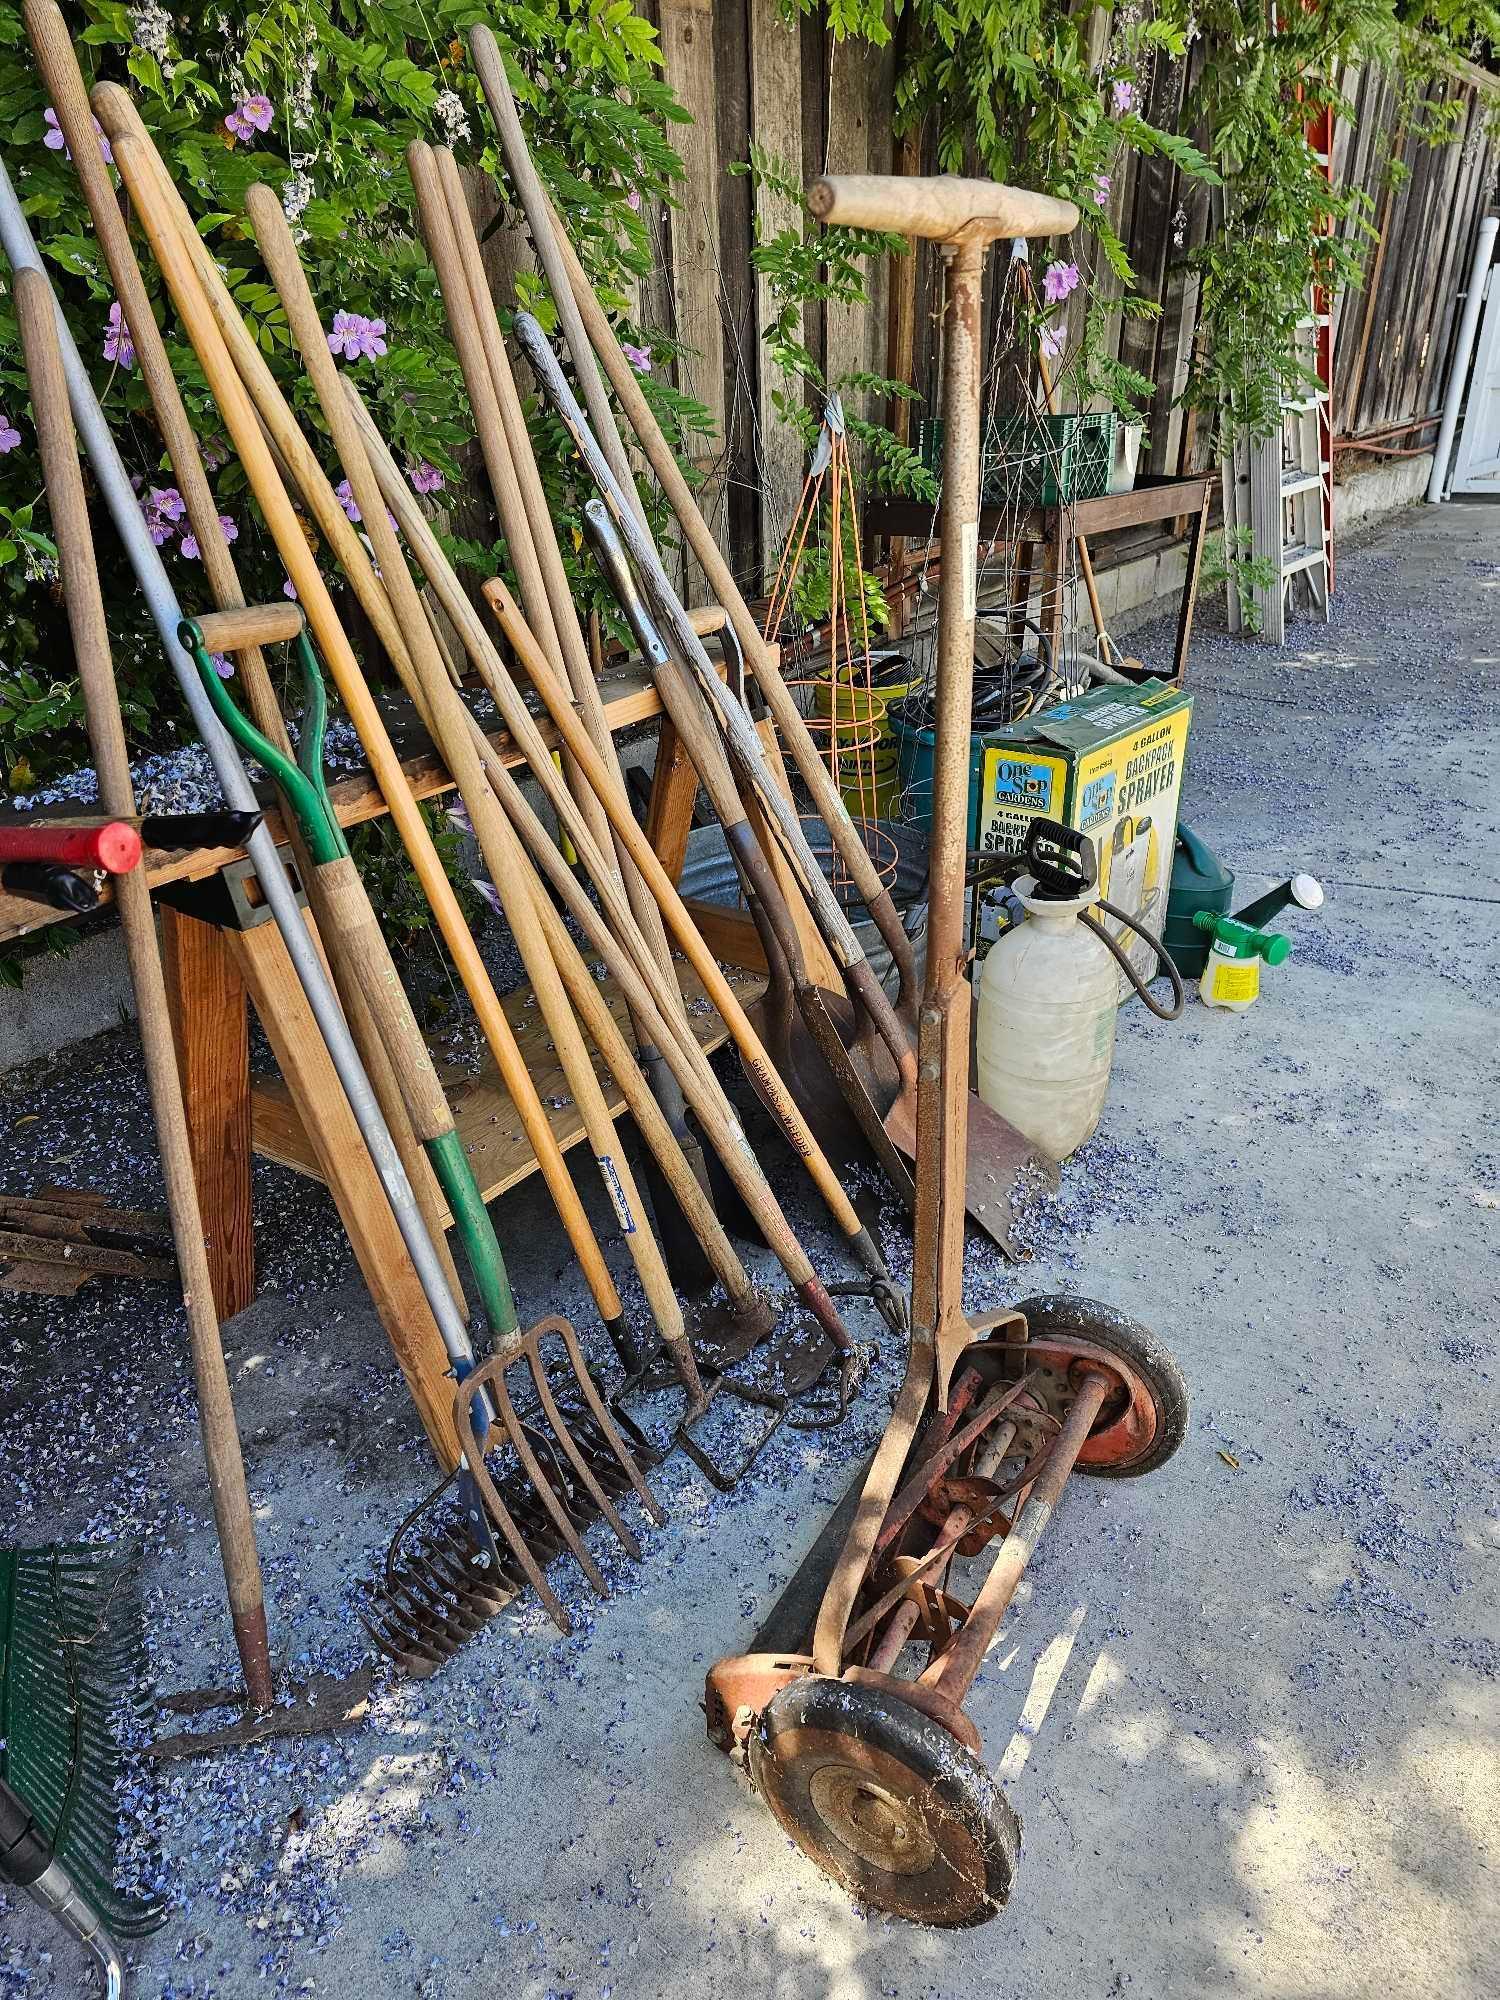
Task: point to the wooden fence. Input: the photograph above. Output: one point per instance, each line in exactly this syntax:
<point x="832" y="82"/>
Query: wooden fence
<point x="745" y="75"/>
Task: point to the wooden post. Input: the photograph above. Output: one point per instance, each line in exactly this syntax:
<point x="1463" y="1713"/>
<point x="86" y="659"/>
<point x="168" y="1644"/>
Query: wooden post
<point x="687" y="44"/>
<point x="206" y="1001"/>
<point x="349" y="1173"/>
<point x="859" y="125"/>
<point x="776" y="126"/>
<point x="674" y="795"/>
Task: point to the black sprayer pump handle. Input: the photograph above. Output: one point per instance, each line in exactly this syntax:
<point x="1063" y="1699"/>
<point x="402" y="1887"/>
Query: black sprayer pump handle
<point x="25" y="1851"/>
<point x="1060" y="859"/>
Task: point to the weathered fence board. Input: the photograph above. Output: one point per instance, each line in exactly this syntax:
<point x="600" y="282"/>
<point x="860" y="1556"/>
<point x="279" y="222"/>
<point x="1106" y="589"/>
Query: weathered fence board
<point x="748" y="75"/>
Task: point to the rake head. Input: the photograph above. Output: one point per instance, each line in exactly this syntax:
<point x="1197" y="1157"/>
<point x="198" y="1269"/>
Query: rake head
<point x="565" y="1464"/>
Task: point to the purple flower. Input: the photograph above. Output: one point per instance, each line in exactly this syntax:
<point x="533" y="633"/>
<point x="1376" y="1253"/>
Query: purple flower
<point x="251" y="115"/>
<point x="223" y="666"/>
<point x="633" y="199"/>
<point x="161" y="508"/>
<point x="289" y="589"/>
<point x="189" y="547"/>
<point x="55" y="140"/>
<point x="458" y="815"/>
<point x="426" y="478"/>
<point x="1122" y="97"/>
<point x="344" y="494"/>
<point x="1053" y="341"/>
<point x="638" y="357"/>
<point x="229" y="528"/>
<point x="10" y="437"/>
<point x="118" y="346"/>
<point x="1057" y="281"/>
<point x="354" y="336"/>
<point x="1102" y="186"/>
<point x="490" y="894"/>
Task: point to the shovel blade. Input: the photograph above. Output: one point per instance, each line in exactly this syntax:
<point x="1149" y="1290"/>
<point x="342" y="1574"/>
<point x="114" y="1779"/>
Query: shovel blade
<point x="996" y="1153"/>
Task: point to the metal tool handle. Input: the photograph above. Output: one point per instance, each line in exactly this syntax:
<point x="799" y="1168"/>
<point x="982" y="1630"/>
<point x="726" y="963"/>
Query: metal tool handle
<point x="744" y="745"/>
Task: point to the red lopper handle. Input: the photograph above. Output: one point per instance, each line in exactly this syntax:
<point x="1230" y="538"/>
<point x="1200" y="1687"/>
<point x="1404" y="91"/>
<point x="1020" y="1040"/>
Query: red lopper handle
<point x="115" y="846"/>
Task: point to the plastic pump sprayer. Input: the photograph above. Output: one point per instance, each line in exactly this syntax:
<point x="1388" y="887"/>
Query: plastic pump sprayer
<point x="1050" y="996"/>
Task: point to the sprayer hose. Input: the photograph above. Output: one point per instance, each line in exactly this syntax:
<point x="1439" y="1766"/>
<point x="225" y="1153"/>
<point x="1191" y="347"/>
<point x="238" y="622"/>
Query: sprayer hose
<point x="1163" y="962"/>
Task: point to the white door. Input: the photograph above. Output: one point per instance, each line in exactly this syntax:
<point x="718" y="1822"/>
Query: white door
<point x="1477" y="466"/>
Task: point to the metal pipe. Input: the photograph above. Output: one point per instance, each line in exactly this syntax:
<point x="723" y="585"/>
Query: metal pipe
<point x="161" y="600"/>
<point x="954" y="1672"/>
<point x="1357" y="440"/>
<point x="1463" y="353"/>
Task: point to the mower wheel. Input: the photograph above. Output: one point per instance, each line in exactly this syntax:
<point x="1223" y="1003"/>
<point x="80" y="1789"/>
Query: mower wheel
<point x="884" y="1800"/>
<point x="1140" y="1427"/>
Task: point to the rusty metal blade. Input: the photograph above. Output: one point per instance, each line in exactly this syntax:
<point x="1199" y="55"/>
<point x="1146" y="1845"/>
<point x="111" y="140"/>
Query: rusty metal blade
<point x="997" y="1153"/>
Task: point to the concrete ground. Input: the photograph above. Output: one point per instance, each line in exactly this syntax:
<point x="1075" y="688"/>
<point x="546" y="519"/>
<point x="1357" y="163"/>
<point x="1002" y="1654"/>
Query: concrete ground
<point x="1247" y="1707"/>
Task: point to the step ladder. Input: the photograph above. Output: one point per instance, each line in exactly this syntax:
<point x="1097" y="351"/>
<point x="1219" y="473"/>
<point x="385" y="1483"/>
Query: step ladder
<point x="1278" y="493"/>
<point x="1278" y="490"/>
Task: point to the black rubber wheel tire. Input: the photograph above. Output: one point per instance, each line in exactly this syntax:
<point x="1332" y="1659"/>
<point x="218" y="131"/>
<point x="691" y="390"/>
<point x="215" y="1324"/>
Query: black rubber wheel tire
<point x="1057" y="1316"/>
<point x="839" y="1763"/>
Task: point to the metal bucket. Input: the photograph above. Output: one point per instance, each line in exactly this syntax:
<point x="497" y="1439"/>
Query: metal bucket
<point x="708" y="876"/>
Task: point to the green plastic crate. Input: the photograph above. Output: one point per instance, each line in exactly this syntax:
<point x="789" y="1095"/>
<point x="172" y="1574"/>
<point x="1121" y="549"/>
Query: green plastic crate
<point x="1038" y="460"/>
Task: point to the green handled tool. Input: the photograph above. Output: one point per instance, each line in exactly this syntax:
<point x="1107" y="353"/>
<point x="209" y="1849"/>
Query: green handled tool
<point x="362" y="954"/>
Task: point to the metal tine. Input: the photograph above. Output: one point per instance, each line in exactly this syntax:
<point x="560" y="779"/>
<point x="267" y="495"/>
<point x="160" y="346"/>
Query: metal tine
<point x="466" y="1582"/>
<point x="575" y="1457"/>
<point x="407" y="1647"/>
<point x="546" y="1493"/>
<point x="564" y="1331"/>
<point x="463" y="1404"/>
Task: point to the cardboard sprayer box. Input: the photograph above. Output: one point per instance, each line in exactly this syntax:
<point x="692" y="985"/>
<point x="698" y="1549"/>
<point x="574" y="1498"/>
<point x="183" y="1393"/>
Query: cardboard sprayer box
<point x="1109" y="764"/>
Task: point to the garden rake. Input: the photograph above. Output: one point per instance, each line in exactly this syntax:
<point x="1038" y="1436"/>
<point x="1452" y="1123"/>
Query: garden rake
<point x="72" y="1671"/>
<point x="195" y="676"/>
<point x="563" y="1471"/>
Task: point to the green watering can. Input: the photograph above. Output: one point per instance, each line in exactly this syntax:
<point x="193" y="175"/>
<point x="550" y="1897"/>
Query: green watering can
<point x="1201" y="882"/>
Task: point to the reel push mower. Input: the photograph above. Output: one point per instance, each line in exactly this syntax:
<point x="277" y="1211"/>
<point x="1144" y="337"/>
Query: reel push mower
<point x="875" y="1774"/>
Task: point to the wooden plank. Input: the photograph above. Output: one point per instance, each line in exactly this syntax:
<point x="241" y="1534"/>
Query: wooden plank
<point x="52" y="1281"/>
<point x="674" y="797"/>
<point x="334" y="1142"/>
<point x="1468" y="205"/>
<point x="737" y="288"/>
<point x="23" y="1247"/>
<point x="687" y="43"/>
<point x="487" y="1121"/>
<point x="859" y="142"/>
<point x="629" y="698"/>
<point x="775" y="125"/>
<point x="211" y="1031"/>
<point x="1151" y="500"/>
<point x="1158" y="188"/>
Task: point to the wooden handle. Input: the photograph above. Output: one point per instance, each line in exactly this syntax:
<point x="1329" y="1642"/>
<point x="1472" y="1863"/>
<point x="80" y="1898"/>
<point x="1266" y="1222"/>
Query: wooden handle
<point x="395" y="610"/>
<point x="68" y="506"/>
<point x="251" y="625"/>
<point x="698" y="1081"/>
<point x="942" y="207"/>
<point x="707" y="618"/>
<point x="363" y="946"/>
<point x="764" y="659"/>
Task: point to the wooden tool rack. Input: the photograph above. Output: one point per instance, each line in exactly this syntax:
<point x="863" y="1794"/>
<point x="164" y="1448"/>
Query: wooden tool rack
<point x="905" y="523"/>
<point x="221" y="949"/>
